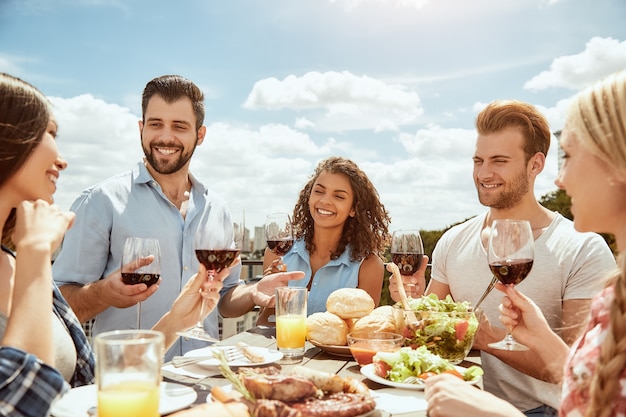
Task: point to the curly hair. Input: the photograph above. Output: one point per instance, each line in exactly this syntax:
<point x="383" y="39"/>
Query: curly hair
<point x="597" y="119"/>
<point x="367" y="232"/>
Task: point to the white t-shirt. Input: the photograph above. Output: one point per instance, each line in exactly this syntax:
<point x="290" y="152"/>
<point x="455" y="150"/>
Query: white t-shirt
<point x="568" y="265"/>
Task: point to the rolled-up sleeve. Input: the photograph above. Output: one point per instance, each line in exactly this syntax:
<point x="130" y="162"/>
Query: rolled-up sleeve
<point x="27" y="385"/>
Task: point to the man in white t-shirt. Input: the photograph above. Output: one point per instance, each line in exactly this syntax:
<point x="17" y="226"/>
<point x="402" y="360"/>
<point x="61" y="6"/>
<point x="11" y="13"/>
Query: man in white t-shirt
<point x="511" y="148"/>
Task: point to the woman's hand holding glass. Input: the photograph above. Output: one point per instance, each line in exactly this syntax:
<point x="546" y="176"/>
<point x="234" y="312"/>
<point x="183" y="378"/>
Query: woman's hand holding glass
<point x="414" y="285"/>
<point x="188" y="305"/>
<point x="522" y="316"/>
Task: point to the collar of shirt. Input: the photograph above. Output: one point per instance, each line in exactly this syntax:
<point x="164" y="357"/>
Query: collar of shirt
<point x="299" y="248"/>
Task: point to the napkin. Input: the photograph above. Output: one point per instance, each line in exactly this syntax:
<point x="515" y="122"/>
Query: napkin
<point x="400" y="401"/>
<point x="190" y="372"/>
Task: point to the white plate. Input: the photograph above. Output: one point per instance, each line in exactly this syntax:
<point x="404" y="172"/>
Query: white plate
<point x="78" y="400"/>
<point x="368" y="371"/>
<point x="269" y="356"/>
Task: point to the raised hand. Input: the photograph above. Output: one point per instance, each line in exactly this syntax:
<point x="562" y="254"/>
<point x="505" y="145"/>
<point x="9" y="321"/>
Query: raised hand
<point x="41" y="223"/>
<point x="414" y="285"/>
<point x="264" y="291"/>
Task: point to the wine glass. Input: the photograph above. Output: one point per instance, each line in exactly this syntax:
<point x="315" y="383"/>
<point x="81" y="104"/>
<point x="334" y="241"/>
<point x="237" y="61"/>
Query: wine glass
<point x="510" y="254"/>
<point x="135" y="249"/>
<point x="407" y="251"/>
<point x="216" y="248"/>
<point x="279" y="233"/>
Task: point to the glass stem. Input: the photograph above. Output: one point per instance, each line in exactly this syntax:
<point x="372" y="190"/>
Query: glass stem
<point x="139" y="315"/>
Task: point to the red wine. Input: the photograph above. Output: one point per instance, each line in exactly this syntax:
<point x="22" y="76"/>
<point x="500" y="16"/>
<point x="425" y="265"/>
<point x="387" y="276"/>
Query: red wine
<point x="132" y="278"/>
<point x="408" y="263"/>
<point x="512" y="272"/>
<point x="279" y="247"/>
<point x="216" y="260"/>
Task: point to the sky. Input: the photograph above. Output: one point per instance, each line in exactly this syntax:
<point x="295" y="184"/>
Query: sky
<point x="394" y="85"/>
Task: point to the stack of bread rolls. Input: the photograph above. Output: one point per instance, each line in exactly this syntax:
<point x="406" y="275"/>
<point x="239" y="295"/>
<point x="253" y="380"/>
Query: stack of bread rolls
<point x="348" y="310"/>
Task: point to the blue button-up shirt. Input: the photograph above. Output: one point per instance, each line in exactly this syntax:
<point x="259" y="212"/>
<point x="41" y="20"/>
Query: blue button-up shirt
<point x="132" y="204"/>
<point x="337" y="273"/>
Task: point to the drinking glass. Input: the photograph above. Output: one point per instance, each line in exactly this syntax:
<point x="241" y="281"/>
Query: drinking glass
<point x="407" y="250"/>
<point x="511" y="253"/>
<point x="291" y="322"/>
<point x="135" y="249"/>
<point x="216" y="250"/>
<point x="128" y="372"/>
<point x="279" y="233"/>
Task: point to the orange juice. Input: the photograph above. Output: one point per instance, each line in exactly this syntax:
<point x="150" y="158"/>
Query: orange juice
<point x="290" y="331"/>
<point x="129" y="399"/>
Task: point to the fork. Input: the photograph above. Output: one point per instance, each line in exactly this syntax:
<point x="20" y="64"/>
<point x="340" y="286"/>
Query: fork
<point x="413" y="380"/>
<point x="492" y="284"/>
<point x="232" y="353"/>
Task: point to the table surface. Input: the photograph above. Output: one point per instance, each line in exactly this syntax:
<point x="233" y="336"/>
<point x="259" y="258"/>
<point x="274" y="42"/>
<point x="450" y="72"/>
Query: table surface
<point x="314" y="358"/>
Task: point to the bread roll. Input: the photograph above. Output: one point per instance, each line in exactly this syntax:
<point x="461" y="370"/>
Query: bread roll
<point x="327" y="328"/>
<point x="350" y="303"/>
<point x="375" y="323"/>
<point x="386" y="311"/>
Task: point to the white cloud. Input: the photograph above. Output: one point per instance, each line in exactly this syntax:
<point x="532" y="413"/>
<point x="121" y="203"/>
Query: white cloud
<point x="350" y="4"/>
<point x="601" y="57"/>
<point x="346" y="101"/>
<point x="264" y="168"/>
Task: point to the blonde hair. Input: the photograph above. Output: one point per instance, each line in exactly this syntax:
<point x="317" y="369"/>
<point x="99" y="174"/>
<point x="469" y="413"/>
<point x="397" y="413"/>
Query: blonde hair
<point x="598" y="120"/>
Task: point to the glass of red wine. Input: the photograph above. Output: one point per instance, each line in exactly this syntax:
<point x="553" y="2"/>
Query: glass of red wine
<point x="407" y="251"/>
<point x="279" y="233"/>
<point x="511" y="254"/>
<point x="136" y="252"/>
<point x="216" y="249"/>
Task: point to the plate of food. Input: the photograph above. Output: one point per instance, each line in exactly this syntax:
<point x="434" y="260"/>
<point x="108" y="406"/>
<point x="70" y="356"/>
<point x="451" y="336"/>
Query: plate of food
<point x="78" y="400"/>
<point x="236" y="356"/>
<point x="407" y="368"/>
<point x="301" y="389"/>
<point x="342" y="351"/>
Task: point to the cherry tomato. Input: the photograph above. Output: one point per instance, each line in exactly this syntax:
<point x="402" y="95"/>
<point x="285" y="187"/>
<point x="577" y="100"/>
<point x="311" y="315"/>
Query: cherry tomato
<point x="461" y="329"/>
<point x="381" y="368"/>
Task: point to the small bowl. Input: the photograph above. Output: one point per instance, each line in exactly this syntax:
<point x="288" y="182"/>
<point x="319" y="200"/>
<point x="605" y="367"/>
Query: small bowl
<point x="447" y="334"/>
<point x="364" y="345"/>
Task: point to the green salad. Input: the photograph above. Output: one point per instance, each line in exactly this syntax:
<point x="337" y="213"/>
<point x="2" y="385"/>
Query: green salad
<point x="446" y="327"/>
<point x="407" y="362"/>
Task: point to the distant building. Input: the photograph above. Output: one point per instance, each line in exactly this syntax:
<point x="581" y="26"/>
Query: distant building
<point x="259" y="242"/>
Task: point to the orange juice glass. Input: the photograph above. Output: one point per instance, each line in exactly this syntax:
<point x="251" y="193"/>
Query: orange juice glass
<point x="291" y="331"/>
<point x="291" y="322"/>
<point x="128" y="372"/>
<point x="130" y="398"/>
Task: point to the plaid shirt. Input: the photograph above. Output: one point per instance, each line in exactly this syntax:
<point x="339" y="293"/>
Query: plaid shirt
<point x="27" y="385"/>
<point x="582" y="361"/>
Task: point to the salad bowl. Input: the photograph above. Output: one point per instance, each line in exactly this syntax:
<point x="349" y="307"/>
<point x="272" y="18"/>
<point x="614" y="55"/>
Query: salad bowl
<point x="445" y="327"/>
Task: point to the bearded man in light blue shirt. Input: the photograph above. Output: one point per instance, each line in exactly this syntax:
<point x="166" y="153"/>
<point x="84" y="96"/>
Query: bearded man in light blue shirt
<point x="158" y="198"/>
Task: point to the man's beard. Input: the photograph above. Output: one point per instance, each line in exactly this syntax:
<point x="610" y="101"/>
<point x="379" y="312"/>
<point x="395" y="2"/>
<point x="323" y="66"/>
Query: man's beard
<point x="170" y="167"/>
<point x="506" y="199"/>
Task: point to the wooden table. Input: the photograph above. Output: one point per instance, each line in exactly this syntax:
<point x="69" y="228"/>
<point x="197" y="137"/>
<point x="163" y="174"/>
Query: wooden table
<point x="314" y="358"/>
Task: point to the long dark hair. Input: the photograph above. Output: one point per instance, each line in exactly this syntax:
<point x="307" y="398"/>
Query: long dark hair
<point x="24" y="116"/>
